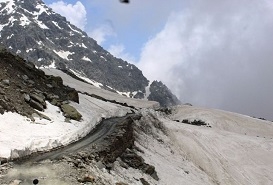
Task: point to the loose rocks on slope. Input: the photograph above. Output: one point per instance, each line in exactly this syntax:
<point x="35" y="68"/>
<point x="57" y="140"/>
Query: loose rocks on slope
<point x="24" y="88"/>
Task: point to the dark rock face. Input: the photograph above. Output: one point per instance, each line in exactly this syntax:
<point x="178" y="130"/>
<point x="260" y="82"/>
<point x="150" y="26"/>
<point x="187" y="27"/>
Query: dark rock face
<point x="26" y="88"/>
<point x="36" y="33"/>
<point x="163" y="95"/>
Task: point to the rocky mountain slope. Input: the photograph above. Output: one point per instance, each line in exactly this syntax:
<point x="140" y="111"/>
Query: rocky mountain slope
<point x="178" y="145"/>
<point x="32" y="30"/>
<point x="25" y="89"/>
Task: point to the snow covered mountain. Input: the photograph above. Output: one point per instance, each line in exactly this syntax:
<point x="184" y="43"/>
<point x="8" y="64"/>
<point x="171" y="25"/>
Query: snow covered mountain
<point x="178" y="145"/>
<point x="32" y="30"/>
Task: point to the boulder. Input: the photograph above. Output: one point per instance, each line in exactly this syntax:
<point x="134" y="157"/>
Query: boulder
<point x="39" y="98"/>
<point x="71" y="112"/>
<point x="36" y="105"/>
<point x="121" y="183"/>
<point x="6" y="82"/>
<point x="144" y="182"/>
<point x="73" y="96"/>
<point x="56" y="81"/>
<point x="26" y="97"/>
<point x="87" y="178"/>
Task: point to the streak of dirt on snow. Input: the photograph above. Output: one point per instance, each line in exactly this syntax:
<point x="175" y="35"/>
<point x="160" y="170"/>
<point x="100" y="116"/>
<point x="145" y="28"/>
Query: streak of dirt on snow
<point x="84" y="87"/>
<point x="230" y="152"/>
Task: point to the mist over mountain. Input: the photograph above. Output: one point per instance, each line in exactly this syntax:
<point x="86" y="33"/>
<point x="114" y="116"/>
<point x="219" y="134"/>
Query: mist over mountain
<point x="35" y="32"/>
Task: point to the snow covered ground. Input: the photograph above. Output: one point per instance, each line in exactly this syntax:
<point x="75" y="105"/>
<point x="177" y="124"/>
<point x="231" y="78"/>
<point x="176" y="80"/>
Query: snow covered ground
<point x="235" y="149"/>
<point x="18" y="133"/>
<point x="20" y="136"/>
<point x="84" y="87"/>
<point x="228" y="153"/>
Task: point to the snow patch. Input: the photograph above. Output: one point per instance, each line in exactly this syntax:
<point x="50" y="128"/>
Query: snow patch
<point x="56" y="24"/>
<point x="24" y="21"/>
<point x="93" y="82"/>
<point x="9" y="6"/>
<point x="28" y="50"/>
<point x="86" y="59"/>
<point x="10" y="36"/>
<point x="73" y="29"/>
<point x="147" y="91"/>
<point x="50" y="134"/>
<point x="83" y="45"/>
<point x="64" y="54"/>
<point x="103" y="57"/>
<point x="51" y="66"/>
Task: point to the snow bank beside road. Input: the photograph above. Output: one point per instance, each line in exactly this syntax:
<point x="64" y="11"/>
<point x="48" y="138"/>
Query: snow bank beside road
<point x="20" y="136"/>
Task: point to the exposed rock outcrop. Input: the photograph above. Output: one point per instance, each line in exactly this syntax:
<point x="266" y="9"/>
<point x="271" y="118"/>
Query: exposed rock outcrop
<point x="25" y="89"/>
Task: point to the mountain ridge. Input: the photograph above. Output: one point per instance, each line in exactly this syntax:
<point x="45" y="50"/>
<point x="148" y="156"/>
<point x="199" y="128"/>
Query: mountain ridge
<point x="32" y="30"/>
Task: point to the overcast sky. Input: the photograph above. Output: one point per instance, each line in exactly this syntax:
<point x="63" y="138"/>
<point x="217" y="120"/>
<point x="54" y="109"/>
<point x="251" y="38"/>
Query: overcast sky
<point x="211" y="53"/>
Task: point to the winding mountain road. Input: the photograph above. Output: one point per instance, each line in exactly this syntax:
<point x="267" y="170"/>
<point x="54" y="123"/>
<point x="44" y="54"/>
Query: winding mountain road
<point x="102" y="130"/>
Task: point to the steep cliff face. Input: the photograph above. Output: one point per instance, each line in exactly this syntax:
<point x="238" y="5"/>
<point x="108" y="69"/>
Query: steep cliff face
<point x="161" y="94"/>
<point x="32" y="30"/>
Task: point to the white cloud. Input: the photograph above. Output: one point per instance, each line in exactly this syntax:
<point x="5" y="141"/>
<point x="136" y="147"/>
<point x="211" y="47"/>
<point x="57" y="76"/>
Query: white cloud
<point x="218" y="54"/>
<point x="76" y="13"/>
<point x="101" y="33"/>
<point x="119" y="52"/>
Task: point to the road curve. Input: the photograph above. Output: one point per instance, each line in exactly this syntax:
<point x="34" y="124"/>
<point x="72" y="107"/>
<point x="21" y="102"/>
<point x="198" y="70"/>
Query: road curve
<point x="102" y="130"/>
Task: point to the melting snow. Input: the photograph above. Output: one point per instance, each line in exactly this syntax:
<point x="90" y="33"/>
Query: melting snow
<point x="63" y="54"/>
<point x="40" y="42"/>
<point x="56" y="24"/>
<point x="93" y="82"/>
<point x="9" y="6"/>
<point x="52" y="65"/>
<point x="86" y="59"/>
<point x="73" y="29"/>
<point x="84" y="46"/>
<point x="28" y="50"/>
<point x="103" y="58"/>
<point x="24" y="20"/>
<point x="42" y="25"/>
<point x="147" y="90"/>
<point x="10" y="36"/>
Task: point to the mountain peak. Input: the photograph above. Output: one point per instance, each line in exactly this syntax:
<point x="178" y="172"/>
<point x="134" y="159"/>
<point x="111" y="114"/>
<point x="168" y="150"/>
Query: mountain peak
<point x="32" y="30"/>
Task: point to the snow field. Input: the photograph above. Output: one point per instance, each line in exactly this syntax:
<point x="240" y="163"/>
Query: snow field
<point x="19" y="134"/>
<point x="230" y="152"/>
